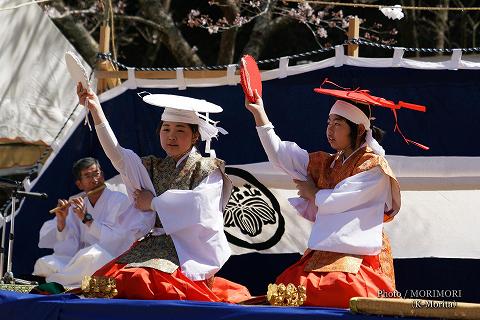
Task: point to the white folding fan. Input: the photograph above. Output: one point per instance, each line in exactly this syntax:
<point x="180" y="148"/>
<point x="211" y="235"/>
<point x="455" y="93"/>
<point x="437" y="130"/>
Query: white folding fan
<point x="78" y="73"/>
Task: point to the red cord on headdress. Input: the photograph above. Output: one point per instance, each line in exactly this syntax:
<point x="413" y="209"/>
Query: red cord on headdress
<point x="364" y="96"/>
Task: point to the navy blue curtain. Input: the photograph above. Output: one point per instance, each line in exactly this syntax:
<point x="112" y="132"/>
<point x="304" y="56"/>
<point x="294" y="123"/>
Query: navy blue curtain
<point x="448" y="127"/>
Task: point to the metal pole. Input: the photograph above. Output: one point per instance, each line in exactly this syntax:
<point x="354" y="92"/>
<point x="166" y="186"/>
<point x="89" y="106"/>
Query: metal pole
<point x="8" y="277"/>
<point x="2" y="248"/>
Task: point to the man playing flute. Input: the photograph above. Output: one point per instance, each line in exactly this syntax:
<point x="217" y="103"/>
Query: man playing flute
<point x="90" y="230"/>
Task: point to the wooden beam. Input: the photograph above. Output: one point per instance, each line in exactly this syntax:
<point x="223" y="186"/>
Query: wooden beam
<point x="100" y="74"/>
<point x="353" y="33"/>
<point x="104" y="44"/>
<point x="103" y="47"/>
<point x="106" y="83"/>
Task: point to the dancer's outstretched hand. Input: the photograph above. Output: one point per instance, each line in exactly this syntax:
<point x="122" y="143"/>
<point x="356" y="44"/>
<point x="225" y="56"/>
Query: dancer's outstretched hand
<point x="257" y="106"/>
<point x="87" y="98"/>
<point x="257" y="110"/>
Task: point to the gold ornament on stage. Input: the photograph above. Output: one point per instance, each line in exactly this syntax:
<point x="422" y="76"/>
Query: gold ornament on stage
<point x="289" y="295"/>
<point x="99" y="287"/>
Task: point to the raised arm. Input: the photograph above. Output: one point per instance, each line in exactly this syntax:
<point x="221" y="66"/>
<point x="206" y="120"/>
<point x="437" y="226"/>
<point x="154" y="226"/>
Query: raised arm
<point x="286" y="155"/>
<point x="127" y="163"/>
<point x="108" y="140"/>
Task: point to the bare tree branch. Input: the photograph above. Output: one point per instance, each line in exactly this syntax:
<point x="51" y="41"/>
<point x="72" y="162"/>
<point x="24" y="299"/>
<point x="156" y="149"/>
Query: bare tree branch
<point x="76" y="13"/>
<point x="76" y="32"/>
<point x="474" y="23"/>
<point x="166" y="5"/>
<point x="146" y="22"/>
<point x="261" y="31"/>
<point x="170" y="35"/>
<point x="152" y="27"/>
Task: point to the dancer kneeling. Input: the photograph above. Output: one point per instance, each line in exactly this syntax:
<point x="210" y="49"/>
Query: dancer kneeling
<point x="178" y="259"/>
<point x="347" y="195"/>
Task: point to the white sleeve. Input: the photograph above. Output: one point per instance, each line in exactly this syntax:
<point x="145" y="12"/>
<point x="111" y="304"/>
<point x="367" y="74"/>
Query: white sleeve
<point x="110" y="145"/>
<point x="362" y="190"/>
<point x="287" y="156"/>
<point x="125" y="225"/>
<point x="127" y="162"/>
<point x="49" y="234"/>
<point x="95" y="229"/>
<point x="181" y="209"/>
<point x="135" y="223"/>
<point x="63" y="243"/>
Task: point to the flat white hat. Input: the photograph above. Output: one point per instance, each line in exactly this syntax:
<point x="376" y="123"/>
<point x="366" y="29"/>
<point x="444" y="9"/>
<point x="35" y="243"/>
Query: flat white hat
<point x="187" y="110"/>
<point x="181" y="103"/>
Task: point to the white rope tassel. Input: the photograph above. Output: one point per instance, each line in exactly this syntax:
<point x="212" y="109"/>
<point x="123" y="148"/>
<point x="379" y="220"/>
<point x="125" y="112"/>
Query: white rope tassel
<point x="209" y="150"/>
<point x="372" y="143"/>
<point x="87" y="121"/>
<point x="213" y="133"/>
<point x="208" y="129"/>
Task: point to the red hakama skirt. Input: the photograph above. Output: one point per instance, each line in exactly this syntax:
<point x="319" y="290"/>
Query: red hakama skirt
<point x="151" y="284"/>
<point x="334" y="289"/>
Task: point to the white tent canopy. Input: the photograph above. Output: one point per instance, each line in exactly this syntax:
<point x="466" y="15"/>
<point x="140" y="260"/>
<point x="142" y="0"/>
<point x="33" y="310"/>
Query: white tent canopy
<point x="37" y="95"/>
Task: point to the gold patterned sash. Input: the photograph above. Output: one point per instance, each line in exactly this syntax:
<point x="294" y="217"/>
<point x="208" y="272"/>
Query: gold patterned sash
<point x="157" y="252"/>
<point x="325" y="261"/>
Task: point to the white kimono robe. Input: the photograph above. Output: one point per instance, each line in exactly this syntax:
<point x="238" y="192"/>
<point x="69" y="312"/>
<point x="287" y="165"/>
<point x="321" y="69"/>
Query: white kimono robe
<point x="193" y="218"/>
<point x="80" y="250"/>
<point x="348" y="218"/>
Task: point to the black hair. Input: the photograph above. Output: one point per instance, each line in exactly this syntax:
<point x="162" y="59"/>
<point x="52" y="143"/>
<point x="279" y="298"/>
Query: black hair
<point x="83" y="164"/>
<point x="377" y="133"/>
<point x="192" y="126"/>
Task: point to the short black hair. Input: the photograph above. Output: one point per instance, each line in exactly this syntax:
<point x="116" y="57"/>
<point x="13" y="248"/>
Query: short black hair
<point x="192" y="126"/>
<point x="83" y="164"/>
<point x="377" y="133"/>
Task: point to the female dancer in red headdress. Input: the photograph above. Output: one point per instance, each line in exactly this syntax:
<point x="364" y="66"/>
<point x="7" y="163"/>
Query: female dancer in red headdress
<point x="348" y="195"/>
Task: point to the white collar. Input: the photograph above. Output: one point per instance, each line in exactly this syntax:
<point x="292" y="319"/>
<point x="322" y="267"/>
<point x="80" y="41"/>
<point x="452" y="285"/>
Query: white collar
<point x="344" y="160"/>
<point x="90" y="206"/>
<point x="341" y="153"/>
<point x="185" y="156"/>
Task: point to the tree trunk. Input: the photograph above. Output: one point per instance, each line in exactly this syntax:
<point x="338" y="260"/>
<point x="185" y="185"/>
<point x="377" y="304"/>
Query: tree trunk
<point x="226" y="51"/>
<point x="408" y="30"/>
<point x="171" y="36"/>
<point x="441" y="18"/>
<point x="86" y="45"/>
<point x="166" y="5"/>
<point x="151" y="52"/>
<point x="261" y="31"/>
<point x="470" y="20"/>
